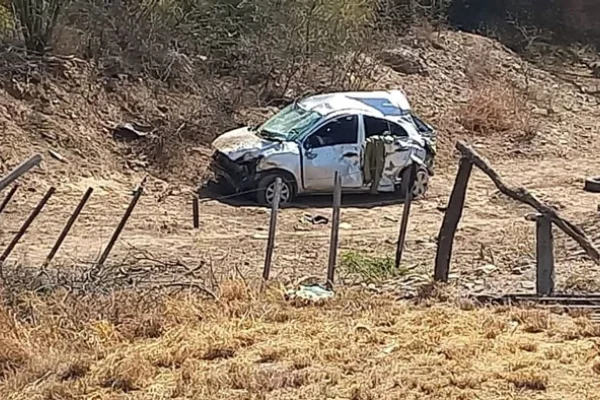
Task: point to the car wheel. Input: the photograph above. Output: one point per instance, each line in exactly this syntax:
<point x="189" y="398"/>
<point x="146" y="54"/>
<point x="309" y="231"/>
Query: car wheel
<point x="420" y="185"/>
<point x="266" y="189"/>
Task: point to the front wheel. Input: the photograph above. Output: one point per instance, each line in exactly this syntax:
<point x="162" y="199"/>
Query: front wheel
<point x="266" y="189"/>
<point x="420" y="185"/>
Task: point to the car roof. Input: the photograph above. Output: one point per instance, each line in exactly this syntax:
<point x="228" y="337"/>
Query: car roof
<point x="391" y="103"/>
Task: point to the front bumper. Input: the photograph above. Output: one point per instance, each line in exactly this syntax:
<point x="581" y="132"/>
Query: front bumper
<point x="236" y="175"/>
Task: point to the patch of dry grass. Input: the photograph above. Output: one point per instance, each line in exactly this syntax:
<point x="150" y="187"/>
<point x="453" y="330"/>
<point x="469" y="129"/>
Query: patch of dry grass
<point x="253" y="346"/>
<point x="496" y="108"/>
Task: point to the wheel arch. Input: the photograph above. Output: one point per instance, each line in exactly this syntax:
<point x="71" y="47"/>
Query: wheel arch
<point x="289" y="176"/>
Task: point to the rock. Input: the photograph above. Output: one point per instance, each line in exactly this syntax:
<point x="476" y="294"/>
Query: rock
<point x="345" y="226"/>
<point x="487" y="269"/>
<point x="129" y="132"/>
<point x="404" y="61"/>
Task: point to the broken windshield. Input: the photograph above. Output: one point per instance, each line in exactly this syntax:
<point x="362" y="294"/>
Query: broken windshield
<point x="289" y="123"/>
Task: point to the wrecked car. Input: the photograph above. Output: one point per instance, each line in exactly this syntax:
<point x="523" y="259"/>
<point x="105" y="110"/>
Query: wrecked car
<point x="369" y="138"/>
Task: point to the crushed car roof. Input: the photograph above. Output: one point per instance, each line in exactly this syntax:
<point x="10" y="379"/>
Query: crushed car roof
<point x="392" y="103"/>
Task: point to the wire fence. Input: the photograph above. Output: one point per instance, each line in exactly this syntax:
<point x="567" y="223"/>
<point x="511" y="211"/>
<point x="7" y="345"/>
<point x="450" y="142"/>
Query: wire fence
<point x="98" y="214"/>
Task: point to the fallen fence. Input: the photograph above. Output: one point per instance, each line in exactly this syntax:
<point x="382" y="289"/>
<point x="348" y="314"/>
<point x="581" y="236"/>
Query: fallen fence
<point x="545" y="219"/>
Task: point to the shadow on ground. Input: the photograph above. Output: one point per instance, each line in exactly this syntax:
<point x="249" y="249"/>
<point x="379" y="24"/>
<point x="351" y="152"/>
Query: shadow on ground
<point x="217" y="192"/>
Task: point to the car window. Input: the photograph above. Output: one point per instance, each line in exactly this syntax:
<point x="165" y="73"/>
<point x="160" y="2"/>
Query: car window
<point x="375" y="126"/>
<point x="341" y="130"/>
<point x="397" y="130"/>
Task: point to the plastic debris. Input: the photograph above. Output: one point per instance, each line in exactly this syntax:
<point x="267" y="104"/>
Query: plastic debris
<point x="312" y="293"/>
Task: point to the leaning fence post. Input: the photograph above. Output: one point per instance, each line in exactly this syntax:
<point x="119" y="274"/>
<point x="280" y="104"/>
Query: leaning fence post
<point x="115" y="236"/>
<point x="409" y="175"/>
<point x="25" y="226"/>
<point x="20" y="170"/>
<point x="451" y="220"/>
<point x="8" y="198"/>
<point x="335" y="228"/>
<point x="195" y="212"/>
<point x="68" y="226"/>
<point x="544" y="256"/>
<point x="272" y="229"/>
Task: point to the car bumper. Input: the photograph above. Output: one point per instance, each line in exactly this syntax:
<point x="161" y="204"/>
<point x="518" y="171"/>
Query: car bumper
<point x="233" y="174"/>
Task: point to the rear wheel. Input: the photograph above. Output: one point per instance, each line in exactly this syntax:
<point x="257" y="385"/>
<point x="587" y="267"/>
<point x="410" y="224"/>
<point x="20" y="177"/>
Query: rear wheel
<point x="266" y="189"/>
<point x="420" y="185"/>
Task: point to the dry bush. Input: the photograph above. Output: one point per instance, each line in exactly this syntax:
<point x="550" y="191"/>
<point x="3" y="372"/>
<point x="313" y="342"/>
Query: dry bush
<point x="497" y="108"/>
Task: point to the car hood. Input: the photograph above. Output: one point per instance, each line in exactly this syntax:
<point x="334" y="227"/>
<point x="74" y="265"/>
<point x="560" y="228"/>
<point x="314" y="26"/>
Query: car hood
<point x="241" y="142"/>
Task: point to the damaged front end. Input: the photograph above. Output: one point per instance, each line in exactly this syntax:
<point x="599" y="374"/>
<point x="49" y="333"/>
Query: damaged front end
<point x="239" y="175"/>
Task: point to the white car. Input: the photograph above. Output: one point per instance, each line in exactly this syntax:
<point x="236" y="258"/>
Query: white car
<point x="306" y="142"/>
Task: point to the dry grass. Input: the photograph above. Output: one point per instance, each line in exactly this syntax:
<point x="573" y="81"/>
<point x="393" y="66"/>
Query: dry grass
<point x="357" y="346"/>
<point x="497" y="108"/>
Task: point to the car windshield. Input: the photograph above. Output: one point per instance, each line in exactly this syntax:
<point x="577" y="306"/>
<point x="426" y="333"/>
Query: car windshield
<point x="289" y="123"/>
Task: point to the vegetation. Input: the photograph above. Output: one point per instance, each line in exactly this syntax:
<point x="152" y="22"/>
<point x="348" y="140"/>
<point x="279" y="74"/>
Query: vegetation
<point x="370" y="268"/>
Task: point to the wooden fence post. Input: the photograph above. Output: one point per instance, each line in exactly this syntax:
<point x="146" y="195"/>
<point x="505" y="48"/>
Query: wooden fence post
<point x="451" y="220"/>
<point x="409" y="175"/>
<point x="335" y="228"/>
<point x="272" y="229"/>
<point x="8" y="198"/>
<point x="115" y="236"/>
<point x="68" y="226"/>
<point x="25" y="226"/>
<point x="20" y="170"/>
<point x="196" y="211"/>
<point x="544" y="256"/>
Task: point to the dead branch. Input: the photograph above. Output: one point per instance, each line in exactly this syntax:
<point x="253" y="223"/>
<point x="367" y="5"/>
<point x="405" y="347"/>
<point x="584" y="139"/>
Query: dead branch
<point x="522" y="195"/>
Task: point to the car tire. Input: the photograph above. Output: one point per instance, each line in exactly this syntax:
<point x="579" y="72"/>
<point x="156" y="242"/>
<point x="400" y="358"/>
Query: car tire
<point x="266" y="189"/>
<point x="420" y="186"/>
<point x="592" y="185"/>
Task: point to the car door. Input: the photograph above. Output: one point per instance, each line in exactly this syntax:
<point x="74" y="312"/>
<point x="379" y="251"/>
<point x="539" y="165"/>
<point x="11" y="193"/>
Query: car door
<point x="332" y="147"/>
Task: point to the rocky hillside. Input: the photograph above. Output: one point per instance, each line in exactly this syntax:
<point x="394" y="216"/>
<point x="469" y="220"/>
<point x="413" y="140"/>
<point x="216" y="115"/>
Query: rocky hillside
<point x="468" y="86"/>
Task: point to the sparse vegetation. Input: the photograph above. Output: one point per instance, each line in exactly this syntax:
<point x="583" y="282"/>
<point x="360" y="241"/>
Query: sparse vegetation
<point x="370" y="268"/>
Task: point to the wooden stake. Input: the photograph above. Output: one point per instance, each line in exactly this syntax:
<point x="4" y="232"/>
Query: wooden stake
<point x="335" y="228"/>
<point x="136" y="196"/>
<point x="68" y="226"/>
<point x="545" y="256"/>
<point x="523" y="195"/>
<point x="409" y="175"/>
<point x="25" y="226"/>
<point x="196" y="212"/>
<point x="451" y="220"/>
<point x="8" y="198"/>
<point x="20" y="170"/>
<point x="272" y="229"/>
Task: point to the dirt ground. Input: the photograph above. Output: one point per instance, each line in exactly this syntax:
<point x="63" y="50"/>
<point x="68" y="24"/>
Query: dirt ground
<point x="494" y="249"/>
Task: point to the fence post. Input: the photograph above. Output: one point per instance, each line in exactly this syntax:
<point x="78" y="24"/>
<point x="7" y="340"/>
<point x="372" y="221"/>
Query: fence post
<point x="25" y="226"/>
<point x="8" y="198"/>
<point x="272" y="229"/>
<point x="409" y="175"/>
<point x="115" y="236"/>
<point x="20" y="170"/>
<point x="544" y="256"/>
<point x="68" y="226"/>
<point x="451" y="220"/>
<point x="335" y="228"/>
<point x="196" y="211"/>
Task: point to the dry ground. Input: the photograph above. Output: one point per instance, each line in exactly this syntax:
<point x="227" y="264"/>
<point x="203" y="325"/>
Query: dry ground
<point x="232" y="238"/>
<point x="252" y="346"/>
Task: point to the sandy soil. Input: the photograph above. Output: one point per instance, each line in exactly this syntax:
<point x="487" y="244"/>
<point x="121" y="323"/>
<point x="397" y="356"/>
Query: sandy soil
<point x="493" y="233"/>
